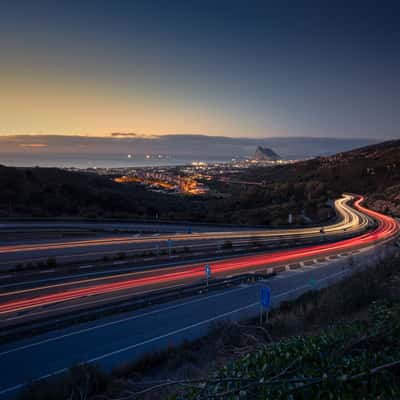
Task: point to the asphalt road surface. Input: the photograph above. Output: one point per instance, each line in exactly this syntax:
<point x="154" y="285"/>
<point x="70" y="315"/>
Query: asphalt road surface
<point x="113" y="341"/>
<point x="82" y="250"/>
<point x="51" y="297"/>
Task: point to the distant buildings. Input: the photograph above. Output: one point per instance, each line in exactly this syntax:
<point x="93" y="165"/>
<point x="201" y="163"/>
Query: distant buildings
<point x="166" y="179"/>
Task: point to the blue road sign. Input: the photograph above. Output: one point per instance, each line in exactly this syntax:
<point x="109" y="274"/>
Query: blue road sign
<point x="208" y="271"/>
<point x="266" y="297"/>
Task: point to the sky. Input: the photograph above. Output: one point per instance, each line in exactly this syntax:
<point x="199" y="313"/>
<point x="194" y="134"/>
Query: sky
<point x="232" y="68"/>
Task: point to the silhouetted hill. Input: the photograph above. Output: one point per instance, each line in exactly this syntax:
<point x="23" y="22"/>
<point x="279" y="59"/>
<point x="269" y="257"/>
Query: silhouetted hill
<point x="267" y="195"/>
<point x="56" y="192"/>
<point x="265" y="154"/>
<point x="373" y="170"/>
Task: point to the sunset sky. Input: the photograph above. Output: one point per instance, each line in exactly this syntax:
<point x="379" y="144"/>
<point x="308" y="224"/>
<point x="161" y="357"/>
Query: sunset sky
<point x="248" y="68"/>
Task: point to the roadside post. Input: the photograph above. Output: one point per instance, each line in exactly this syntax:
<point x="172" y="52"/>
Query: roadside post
<point x="313" y="283"/>
<point x="265" y="300"/>
<point x="208" y="273"/>
<point x="169" y="247"/>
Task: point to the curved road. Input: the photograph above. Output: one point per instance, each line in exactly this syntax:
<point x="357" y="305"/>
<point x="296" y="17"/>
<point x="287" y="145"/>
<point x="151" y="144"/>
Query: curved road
<point x="65" y="296"/>
<point x="350" y="221"/>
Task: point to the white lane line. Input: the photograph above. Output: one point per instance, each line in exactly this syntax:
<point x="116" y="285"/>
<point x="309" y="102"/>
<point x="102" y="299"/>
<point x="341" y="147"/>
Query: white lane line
<point x="290" y="291"/>
<point x="333" y="275"/>
<point x="118" y="321"/>
<point x="155" y="312"/>
<point x="185" y="328"/>
<point x="154" y="339"/>
<point x="22" y="385"/>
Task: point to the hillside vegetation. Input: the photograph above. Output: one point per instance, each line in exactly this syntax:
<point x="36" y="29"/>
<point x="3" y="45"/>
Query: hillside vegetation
<point x="306" y="186"/>
<point x="45" y="192"/>
<point x="302" y="189"/>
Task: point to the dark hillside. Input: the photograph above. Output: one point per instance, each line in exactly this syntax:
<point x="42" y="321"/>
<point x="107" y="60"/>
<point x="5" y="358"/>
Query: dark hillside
<point x="373" y="171"/>
<point x="302" y="189"/>
<point x="55" y="192"/>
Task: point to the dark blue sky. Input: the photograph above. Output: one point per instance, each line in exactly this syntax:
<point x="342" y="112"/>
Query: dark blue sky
<point x="247" y="68"/>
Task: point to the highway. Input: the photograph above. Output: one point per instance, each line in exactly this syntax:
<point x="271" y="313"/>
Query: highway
<point x="113" y="341"/>
<point x="49" y="297"/>
<point x="349" y="222"/>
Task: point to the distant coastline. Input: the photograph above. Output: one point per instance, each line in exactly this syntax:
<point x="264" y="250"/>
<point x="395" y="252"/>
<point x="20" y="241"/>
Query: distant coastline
<point x="84" y="161"/>
<point x="169" y="150"/>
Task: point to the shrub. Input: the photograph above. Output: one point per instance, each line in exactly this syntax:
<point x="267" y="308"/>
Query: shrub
<point x="51" y="262"/>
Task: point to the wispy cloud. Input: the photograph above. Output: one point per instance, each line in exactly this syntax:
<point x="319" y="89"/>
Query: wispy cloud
<point x="33" y="145"/>
<point x="124" y="134"/>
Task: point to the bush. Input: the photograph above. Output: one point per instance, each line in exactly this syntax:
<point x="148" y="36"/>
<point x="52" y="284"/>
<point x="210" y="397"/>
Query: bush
<point x="227" y="245"/>
<point x="51" y="262"/>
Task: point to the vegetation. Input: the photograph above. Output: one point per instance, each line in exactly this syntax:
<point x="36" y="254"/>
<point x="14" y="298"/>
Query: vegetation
<point x="307" y="185"/>
<point x="302" y="189"/>
<point x="359" y="360"/>
<point x="51" y="192"/>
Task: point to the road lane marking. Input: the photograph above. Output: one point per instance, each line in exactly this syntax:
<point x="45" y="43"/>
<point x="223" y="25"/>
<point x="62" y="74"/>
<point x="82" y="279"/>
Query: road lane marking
<point x="185" y="328"/>
<point x="158" y="311"/>
<point x="154" y="339"/>
<point x="119" y="321"/>
<point x="116" y="272"/>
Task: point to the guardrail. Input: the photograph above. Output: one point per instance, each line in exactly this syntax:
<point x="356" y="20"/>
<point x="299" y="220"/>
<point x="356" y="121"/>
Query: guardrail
<point x="185" y="252"/>
<point x="39" y="326"/>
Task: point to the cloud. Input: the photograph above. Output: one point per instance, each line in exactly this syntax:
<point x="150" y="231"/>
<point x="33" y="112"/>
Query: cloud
<point x="33" y="145"/>
<point x="124" y="134"/>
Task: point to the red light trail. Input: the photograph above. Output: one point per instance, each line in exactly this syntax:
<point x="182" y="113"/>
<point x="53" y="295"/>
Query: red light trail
<point x="386" y="229"/>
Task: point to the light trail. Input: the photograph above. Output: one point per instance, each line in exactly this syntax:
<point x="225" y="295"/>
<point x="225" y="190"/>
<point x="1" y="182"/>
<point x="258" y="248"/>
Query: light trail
<point x="349" y="221"/>
<point x="387" y="228"/>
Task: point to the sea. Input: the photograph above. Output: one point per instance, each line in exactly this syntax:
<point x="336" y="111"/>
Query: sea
<point x="84" y="161"/>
